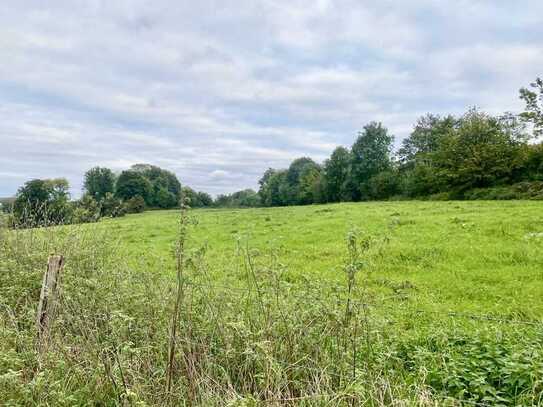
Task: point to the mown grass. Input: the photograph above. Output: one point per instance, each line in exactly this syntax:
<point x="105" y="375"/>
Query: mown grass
<point x="444" y="308"/>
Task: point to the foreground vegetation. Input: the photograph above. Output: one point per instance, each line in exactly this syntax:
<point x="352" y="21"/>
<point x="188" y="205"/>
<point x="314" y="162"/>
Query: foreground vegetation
<point x="397" y="303"/>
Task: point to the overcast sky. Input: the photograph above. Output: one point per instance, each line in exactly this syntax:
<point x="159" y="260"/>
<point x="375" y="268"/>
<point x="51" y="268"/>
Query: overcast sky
<point x="218" y="91"/>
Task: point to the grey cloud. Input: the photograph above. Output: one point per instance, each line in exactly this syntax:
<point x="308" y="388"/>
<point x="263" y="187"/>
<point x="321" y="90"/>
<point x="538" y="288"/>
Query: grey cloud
<point x="209" y="88"/>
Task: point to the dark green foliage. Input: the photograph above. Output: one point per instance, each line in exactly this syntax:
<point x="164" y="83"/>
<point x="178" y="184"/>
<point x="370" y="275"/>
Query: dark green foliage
<point x="111" y="206"/>
<point x="482" y="369"/>
<point x="197" y="199"/>
<point x="534" y="105"/>
<point x="87" y="210"/>
<point x="479" y="153"/>
<point x="131" y="184"/>
<point x="136" y="204"/>
<point x="370" y="155"/>
<point x="300" y="176"/>
<point x="384" y="185"/>
<point x="98" y="182"/>
<point x="336" y="175"/>
<point x="204" y="199"/>
<point x="165" y="190"/>
<point x="533" y="162"/>
<point x="274" y="188"/>
<point x="158" y="187"/>
<point x="42" y="202"/>
<point x="425" y="139"/>
<point x="246" y="198"/>
<point x="521" y="190"/>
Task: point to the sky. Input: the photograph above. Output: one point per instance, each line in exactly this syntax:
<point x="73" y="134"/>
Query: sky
<point x="219" y="91"/>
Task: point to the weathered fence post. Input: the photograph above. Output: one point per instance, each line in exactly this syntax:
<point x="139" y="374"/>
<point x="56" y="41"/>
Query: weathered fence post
<point x="48" y="296"/>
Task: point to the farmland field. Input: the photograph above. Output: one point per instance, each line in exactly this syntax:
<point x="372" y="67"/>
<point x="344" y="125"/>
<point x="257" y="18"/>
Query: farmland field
<point x="383" y="303"/>
<point x="449" y="256"/>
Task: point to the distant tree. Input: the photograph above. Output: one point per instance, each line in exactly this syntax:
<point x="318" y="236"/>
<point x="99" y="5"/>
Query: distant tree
<point x="534" y="105"/>
<point x="425" y="138"/>
<point x="370" y="156"/>
<point x="98" y="182"/>
<point x="222" y="201"/>
<point x="417" y="155"/>
<point x="41" y="202"/>
<point x="533" y="163"/>
<point x="165" y="187"/>
<point x="131" y="184"/>
<point x="205" y="199"/>
<point x="87" y="210"/>
<point x="265" y="191"/>
<point x="163" y="198"/>
<point x="136" y="204"/>
<point x="196" y="199"/>
<point x="336" y="174"/>
<point x="384" y="185"/>
<point x="311" y="187"/>
<point x="297" y="169"/>
<point x="191" y="196"/>
<point x="111" y="206"/>
<point x="246" y="198"/>
<point x="480" y="152"/>
<point x="277" y="189"/>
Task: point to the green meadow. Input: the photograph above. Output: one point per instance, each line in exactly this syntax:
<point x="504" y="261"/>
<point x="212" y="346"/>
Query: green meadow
<point x="482" y="257"/>
<point x="365" y="304"/>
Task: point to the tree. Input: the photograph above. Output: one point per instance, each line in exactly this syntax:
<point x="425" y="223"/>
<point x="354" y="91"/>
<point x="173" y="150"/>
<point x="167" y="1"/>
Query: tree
<point x="370" y="156"/>
<point x="481" y="152"/>
<point x="42" y="202"/>
<point x="384" y="185"/>
<point x="98" y="182"/>
<point x="165" y="187"/>
<point x="336" y="175"/>
<point x="311" y="187"/>
<point x="131" y="184"/>
<point x="191" y="196"/>
<point x="112" y="206"/>
<point x="136" y="204"/>
<point x="417" y="156"/>
<point x="278" y="189"/>
<point x="425" y="138"/>
<point x="205" y="199"/>
<point x="87" y="210"/>
<point x="246" y="198"/>
<point x="297" y="169"/>
<point x="265" y="187"/>
<point x="534" y="105"/>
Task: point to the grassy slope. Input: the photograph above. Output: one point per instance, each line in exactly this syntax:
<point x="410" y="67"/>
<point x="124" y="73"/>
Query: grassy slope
<point x="445" y="256"/>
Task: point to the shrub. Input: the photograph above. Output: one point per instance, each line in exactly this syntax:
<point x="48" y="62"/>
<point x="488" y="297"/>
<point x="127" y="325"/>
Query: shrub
<point x="87" y="210"/>
<point x="135" y="204"/>
<point x="112" y="206"/>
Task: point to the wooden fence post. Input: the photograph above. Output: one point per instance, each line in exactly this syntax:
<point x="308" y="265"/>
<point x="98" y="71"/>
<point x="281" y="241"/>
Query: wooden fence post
<point x="48" y="296"/>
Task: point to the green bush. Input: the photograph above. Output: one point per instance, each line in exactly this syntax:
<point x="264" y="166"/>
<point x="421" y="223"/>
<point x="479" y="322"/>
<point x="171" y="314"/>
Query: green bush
<point x="135" y="204"/>
<point x="522" y="190"/>
<point x="111" y="206"/>
<point x="481" y="367"/>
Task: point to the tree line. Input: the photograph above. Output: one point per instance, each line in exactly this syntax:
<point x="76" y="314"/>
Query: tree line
<point x="474" y="156"/>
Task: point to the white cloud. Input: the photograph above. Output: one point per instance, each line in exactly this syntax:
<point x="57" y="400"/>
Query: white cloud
<point x="238" y="87"/>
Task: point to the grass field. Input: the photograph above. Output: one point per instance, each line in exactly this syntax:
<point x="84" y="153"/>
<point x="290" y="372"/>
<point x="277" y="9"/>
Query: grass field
<point x="483" y="257"/>
<point x="382" y="303"/>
